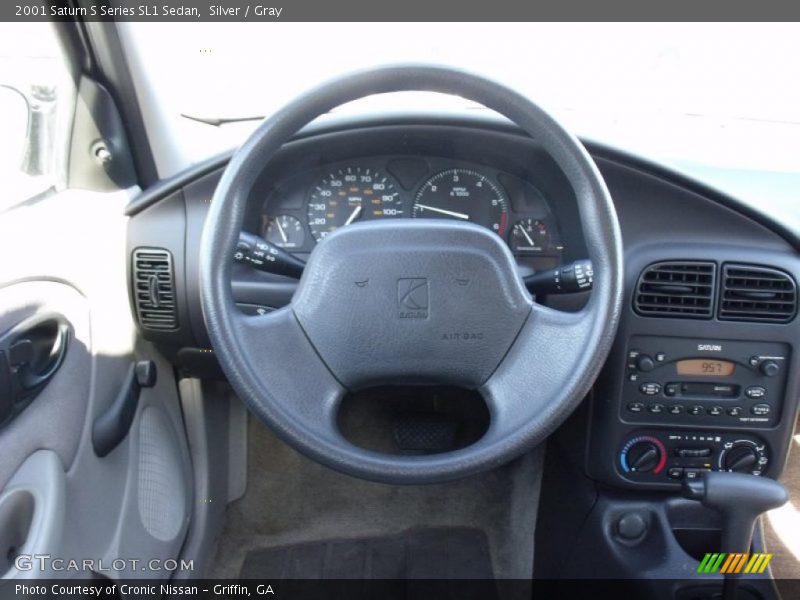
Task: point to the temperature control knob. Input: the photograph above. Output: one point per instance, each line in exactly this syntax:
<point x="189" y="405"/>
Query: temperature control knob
<point x="643" y="457"/>
<point x="741" y="459"/>
<point x="744" y="456"/>
<point x="643" y="454"/>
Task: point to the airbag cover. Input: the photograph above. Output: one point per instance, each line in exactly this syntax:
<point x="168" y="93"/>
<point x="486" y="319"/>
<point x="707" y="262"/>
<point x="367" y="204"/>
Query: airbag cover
<point x="411" y="301"/>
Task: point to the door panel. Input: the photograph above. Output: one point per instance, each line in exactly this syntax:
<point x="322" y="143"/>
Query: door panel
<point x="32" y="511"/>
<point x="55" y="417"/>
<point x="65" y="255"/>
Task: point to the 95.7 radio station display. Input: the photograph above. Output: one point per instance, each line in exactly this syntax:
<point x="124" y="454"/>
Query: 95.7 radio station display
<point x="703" y="366"/>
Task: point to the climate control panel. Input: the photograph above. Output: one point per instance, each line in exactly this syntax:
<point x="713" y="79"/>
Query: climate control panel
<point x="711" y="383"/>
<point x="654" y="456"/>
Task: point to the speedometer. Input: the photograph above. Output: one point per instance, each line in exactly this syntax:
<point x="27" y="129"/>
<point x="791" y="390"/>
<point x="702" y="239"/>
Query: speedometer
<point x="464" y="195"/>
<point x="347" y="195"/>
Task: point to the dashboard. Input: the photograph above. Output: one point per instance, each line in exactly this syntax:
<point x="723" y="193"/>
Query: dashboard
<point x="704" y="370"/>
<point x="304" y="209"/>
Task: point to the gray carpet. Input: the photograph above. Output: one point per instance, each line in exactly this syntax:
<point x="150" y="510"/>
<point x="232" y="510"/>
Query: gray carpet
<point x="435" y="553"/>
<point x="292" y="500"/>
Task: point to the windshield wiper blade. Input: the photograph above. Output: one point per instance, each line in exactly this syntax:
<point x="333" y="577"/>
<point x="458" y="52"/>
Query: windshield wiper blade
<point x="217" y="121"/>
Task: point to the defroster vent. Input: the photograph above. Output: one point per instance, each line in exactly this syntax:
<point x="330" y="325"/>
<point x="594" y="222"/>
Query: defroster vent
<point x="154" y="289"/>
<point x="753" y="293"/>
<point x="683" y="289"/>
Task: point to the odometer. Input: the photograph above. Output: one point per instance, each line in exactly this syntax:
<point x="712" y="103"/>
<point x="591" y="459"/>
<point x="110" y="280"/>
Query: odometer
<point x="463" y="195"/>
<point x="347" y="195"/>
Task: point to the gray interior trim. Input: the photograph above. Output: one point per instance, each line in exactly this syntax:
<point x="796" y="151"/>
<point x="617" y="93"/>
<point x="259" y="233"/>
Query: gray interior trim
<point x="32" y="512"/>
<point x="213" y="420"/>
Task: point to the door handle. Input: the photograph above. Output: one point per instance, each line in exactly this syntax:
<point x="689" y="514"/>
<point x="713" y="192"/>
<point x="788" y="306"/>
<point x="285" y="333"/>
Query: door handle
<point x="32" y="376"/>
<point x="31" y="353"/>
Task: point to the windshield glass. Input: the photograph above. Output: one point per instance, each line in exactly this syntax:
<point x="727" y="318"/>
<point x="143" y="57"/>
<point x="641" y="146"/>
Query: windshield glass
<point x="710" y="96"/>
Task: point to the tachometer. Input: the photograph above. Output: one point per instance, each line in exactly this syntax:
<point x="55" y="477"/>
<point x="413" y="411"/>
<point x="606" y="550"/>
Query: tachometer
<point x="347" y="195"/>
<point x="463" y="195"/>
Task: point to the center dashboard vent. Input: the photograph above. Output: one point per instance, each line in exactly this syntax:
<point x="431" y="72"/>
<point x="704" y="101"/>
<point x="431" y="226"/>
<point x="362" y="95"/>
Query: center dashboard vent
<point x="683" y="289"/>
<point x="154" y="289"/>
<point x="753" y="293"/>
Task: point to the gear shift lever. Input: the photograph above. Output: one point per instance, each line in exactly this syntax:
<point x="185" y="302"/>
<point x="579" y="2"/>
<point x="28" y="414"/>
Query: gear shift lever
<point x="740" y="498"/>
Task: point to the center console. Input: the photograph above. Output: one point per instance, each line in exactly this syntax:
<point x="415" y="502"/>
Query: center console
<point x="681" y="394"/>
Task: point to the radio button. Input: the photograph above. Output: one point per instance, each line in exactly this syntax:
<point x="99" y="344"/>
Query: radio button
<point x="695" y="410"/>
<point x="671" y="389"/>
<point x="644" y="363"/>
<point x="761" y="410"/>
<point x="635" y="407"/>
<point x="650" y="389"/>
<point x="755" y="392"/>
<point x="715" y="411"/>
<point x="676" y="409"/>
<point x="734" y="411"/>
<point x="656" y="409"/>
<point x="769" y="368"/>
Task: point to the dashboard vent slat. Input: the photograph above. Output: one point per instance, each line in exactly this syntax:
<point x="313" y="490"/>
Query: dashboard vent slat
<point x="681" y="289"/>
<point x="753" y="293"/>
<point x="154" y="289"/>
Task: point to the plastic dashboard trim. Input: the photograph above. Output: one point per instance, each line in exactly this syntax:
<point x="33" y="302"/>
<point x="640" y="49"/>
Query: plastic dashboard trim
<point x="163" y="189"/>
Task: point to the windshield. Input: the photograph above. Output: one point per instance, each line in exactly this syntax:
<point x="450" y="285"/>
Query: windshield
<point x="708" y="96"/>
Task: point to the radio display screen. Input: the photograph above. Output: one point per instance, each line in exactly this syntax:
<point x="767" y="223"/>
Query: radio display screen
<point x="705" y="367"/>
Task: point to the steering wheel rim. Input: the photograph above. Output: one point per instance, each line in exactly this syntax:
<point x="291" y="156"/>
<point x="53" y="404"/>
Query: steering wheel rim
<point x="285" y="365"/>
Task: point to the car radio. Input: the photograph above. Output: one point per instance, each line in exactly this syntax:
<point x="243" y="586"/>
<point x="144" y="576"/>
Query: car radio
<point x="705" y="382"/>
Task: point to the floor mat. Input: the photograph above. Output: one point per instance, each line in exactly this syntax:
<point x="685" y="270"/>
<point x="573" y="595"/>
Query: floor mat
<point x="432" y="553"/>
<point x="292" y="501"/>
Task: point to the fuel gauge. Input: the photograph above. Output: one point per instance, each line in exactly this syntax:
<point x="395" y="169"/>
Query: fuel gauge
<point x="284" y="231"/>
<point x="532" y="236"/>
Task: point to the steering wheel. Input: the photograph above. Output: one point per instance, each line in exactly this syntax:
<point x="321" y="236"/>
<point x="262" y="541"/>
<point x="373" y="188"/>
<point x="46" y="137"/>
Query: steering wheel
<point x="411" y="301"/>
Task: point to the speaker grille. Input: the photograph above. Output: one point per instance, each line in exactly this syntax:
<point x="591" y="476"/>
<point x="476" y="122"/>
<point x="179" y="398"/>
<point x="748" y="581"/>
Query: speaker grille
<point x="162" y="497"/>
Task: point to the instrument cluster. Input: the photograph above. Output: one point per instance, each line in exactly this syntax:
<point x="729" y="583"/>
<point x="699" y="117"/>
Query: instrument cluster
<point x="300" y="212"/>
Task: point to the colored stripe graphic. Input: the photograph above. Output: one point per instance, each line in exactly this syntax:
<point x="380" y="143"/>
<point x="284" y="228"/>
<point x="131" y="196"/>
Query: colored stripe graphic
<point x="730" y="563"/>
<point x="734" y="562"/>
<point x="737" y="568"/>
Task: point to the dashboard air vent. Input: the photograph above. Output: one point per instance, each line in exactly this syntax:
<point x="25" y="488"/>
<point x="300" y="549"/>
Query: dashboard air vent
<point x="676" y="289"/>
<point x="154" y="289"/>
<point x="750" y="293"/>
